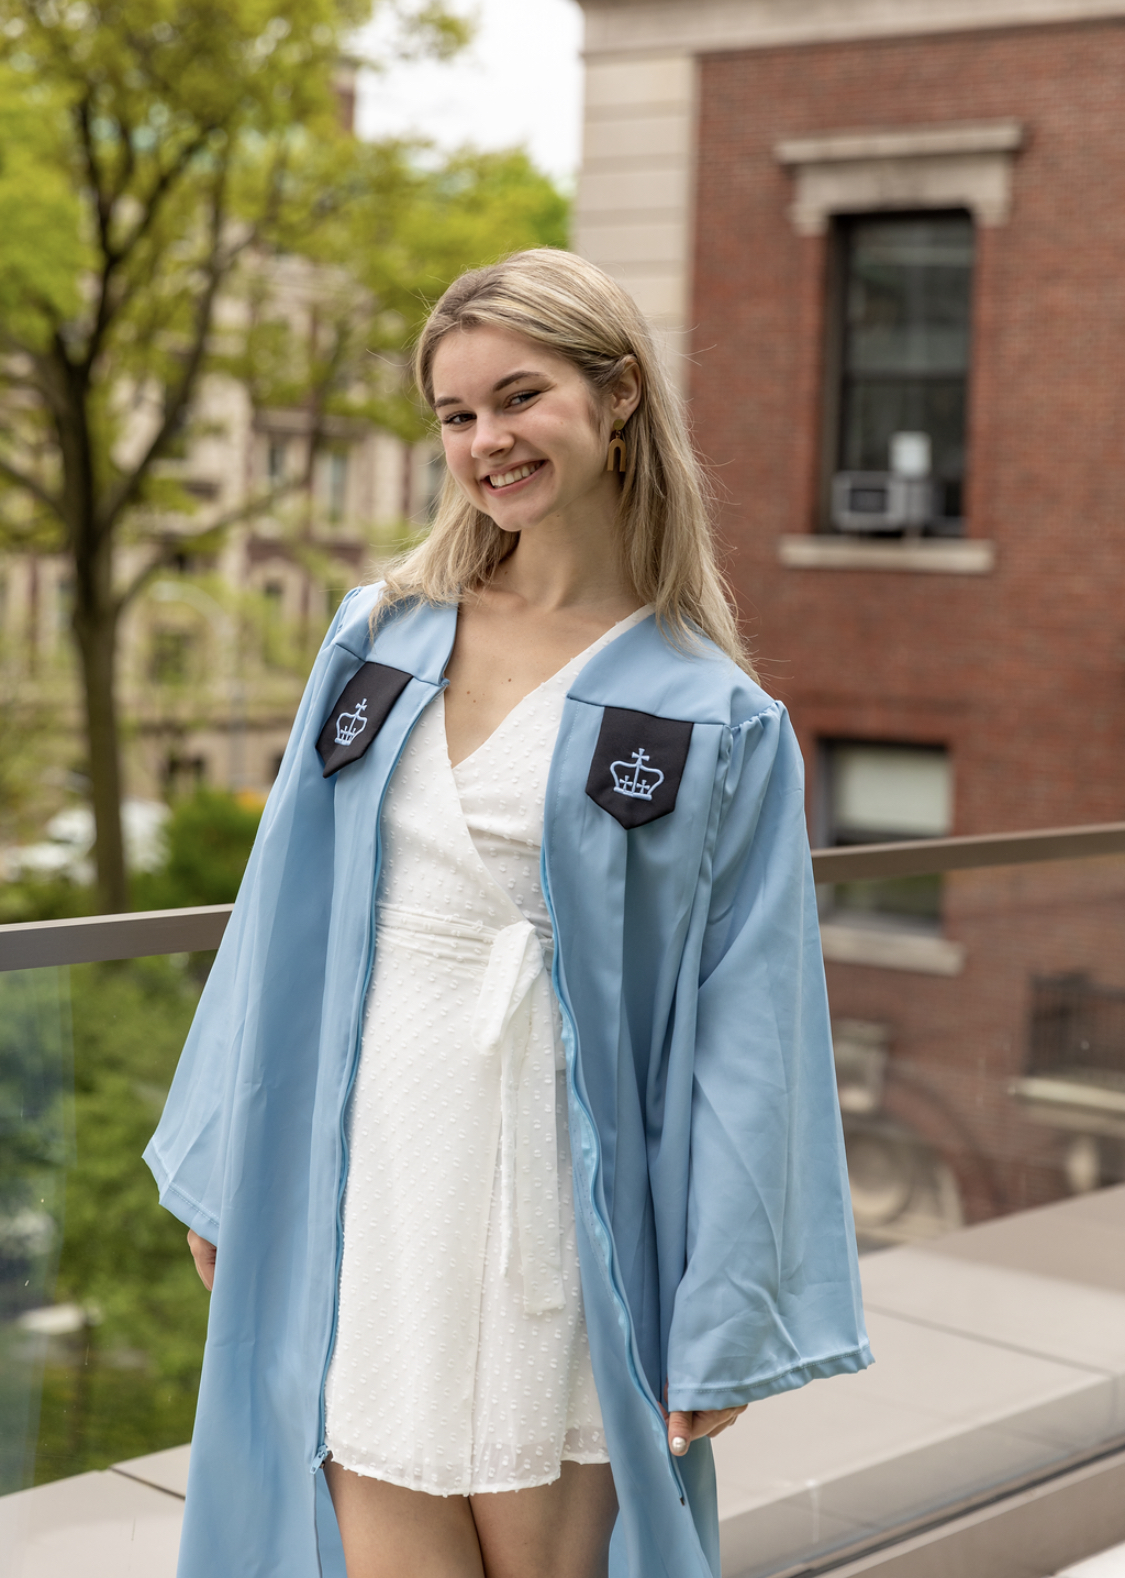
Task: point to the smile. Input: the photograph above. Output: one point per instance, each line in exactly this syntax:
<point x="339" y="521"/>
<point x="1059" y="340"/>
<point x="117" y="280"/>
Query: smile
<point x="507" y="479"/>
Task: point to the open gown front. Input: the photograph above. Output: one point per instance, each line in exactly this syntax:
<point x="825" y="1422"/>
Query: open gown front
<point x="461" y="1363"/>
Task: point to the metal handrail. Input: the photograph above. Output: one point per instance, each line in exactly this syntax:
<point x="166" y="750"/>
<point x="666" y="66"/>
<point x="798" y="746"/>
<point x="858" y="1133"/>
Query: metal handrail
<point x="92" y="938"/>
<point x="34" y="944"/>
<point x="923" y="856"/>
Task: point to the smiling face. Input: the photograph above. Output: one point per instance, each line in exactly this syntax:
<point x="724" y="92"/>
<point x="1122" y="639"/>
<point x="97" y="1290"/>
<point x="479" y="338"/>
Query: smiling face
<point x="525" y="437"/>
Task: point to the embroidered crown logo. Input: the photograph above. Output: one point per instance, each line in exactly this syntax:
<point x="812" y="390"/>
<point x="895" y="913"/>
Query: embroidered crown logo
<point x="349" y="724"/>
<point x="634" y="778"/>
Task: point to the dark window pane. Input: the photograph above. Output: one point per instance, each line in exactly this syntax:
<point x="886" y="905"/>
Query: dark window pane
<point x="908" y="295"/>
<point x="906" y="343"/>
<point x="874" y="794"/>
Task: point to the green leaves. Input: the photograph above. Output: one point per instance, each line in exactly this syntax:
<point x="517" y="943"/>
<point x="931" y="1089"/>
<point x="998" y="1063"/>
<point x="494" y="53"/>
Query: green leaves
<point x="42" y="253"/>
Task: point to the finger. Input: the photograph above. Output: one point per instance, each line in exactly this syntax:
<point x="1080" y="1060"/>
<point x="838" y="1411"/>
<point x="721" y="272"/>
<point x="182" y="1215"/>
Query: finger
<point x="680" y="1432"/>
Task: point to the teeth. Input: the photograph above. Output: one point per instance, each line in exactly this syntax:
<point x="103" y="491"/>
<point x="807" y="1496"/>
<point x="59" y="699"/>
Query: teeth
<point x="506" y="478"/>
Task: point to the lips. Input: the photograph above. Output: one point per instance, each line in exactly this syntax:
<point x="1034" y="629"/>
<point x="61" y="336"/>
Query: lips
<point x="497" y="481"/>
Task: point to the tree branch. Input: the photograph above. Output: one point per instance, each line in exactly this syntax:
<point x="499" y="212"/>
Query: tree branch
<point x="127" y="489"/>
<point x="21" y="479"/>
<point x="173" y="547"/>
<point x="93" y="170"/>
<point x="164" y="181"/>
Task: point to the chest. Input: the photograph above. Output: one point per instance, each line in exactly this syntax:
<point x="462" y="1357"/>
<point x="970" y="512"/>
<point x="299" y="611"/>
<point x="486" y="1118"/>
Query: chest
<point x="499" y="658"/>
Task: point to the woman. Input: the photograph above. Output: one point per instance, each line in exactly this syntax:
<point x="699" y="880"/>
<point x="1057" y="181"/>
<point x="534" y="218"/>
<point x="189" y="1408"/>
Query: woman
<point x="509" y="1103"/>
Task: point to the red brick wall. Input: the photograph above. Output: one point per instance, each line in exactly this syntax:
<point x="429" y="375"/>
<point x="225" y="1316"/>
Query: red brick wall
<point x="1020" y="673"/>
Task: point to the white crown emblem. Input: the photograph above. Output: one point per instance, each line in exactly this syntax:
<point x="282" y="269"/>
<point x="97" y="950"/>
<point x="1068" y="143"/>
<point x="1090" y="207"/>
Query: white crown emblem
<point x="349" y="724"/>
<point x="634" y="778"/>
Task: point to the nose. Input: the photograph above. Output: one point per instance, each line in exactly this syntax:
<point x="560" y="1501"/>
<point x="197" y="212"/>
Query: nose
<point x="491" y="436"/>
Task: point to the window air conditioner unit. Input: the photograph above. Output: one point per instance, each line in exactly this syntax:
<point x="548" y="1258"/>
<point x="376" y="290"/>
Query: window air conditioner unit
<point x="874" y="501"/>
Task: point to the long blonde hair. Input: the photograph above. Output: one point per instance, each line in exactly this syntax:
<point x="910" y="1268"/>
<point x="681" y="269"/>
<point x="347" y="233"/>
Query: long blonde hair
<point x="577" y="311"/>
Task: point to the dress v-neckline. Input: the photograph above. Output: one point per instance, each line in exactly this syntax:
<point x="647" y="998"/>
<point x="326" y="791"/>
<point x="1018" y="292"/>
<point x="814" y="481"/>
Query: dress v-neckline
<point x="602" y="641"/>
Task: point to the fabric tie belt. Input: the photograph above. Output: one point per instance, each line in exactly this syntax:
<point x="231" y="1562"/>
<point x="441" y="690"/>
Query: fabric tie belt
<point x="514" y="1021"/>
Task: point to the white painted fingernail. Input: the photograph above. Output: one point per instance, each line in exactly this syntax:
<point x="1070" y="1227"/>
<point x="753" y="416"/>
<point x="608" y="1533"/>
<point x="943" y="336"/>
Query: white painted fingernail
<point x="679" y="1444"/>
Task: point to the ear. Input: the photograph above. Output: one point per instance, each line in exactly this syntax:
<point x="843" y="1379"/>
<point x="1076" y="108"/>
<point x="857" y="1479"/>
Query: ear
<point x="625" y="395"/>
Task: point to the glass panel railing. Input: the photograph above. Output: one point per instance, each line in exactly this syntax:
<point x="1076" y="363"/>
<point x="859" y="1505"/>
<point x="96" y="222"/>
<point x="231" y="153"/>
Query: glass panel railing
<point x="102" y="1316"/>
<point x="36" y="1149"/>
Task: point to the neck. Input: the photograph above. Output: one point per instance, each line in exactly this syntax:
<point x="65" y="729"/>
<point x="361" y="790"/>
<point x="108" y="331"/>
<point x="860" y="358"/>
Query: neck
<point x="571" y="560"/>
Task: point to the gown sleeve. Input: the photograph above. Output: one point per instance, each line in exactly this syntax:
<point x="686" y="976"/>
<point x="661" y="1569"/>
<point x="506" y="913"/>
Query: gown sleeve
<point x="770" y="1296"/>
<point x="188" y="1154"/>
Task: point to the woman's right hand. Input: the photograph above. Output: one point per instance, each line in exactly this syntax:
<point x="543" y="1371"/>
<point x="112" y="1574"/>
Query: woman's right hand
<point x="203" y="1254"/>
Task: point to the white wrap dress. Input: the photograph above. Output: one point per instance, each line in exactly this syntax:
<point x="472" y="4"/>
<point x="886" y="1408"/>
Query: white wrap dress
<point x="461" y="1363"/>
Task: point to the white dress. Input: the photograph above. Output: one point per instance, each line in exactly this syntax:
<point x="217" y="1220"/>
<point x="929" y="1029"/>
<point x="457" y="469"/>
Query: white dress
<point x="461" y="1363"/>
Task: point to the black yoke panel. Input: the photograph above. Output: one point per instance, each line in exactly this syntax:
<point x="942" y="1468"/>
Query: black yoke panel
<point x="360" y="711"/>
<point x="638" y="763"/>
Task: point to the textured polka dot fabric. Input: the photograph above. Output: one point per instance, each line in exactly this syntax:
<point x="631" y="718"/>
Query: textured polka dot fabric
<point x="441" y="1380"/>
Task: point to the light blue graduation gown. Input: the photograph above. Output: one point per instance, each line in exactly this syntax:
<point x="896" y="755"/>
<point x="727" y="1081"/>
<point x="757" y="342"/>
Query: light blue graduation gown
<point x="714" y="1227"/>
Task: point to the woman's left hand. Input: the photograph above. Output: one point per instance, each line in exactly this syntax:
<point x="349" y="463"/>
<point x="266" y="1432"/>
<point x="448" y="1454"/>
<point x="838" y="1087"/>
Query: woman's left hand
<point x="683" y="1429"/>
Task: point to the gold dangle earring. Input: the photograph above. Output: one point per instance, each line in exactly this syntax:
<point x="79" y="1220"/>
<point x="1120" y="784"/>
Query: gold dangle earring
<point x="618" y="455"/>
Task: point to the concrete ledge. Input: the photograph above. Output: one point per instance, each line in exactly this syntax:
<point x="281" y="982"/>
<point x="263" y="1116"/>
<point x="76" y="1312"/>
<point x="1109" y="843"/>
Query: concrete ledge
<point x="911" y="142"/>
<point x="891" y="950"/>
<point x="101" y="1525"/>
<point x="987" y="1440"/>
<point x="930" y="555"/>
<point x="1031" y="1535"/>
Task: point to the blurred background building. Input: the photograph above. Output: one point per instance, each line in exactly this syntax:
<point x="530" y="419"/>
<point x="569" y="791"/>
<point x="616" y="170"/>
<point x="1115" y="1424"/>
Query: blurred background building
<point x="883" y="245"/>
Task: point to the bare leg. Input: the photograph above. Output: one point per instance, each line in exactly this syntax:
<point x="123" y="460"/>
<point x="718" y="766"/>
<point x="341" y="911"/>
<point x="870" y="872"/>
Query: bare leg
<point x="559" y="1530"/>
<point x="389" y="1532"/>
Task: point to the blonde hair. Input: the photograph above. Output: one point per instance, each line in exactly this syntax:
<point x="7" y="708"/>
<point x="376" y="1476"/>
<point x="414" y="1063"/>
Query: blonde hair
<point x="576" y="310"/>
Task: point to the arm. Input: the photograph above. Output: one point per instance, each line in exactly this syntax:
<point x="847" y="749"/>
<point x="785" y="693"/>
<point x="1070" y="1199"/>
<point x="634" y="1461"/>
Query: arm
<point x="188" y="1153"/>
<point x="770" y="1294"/>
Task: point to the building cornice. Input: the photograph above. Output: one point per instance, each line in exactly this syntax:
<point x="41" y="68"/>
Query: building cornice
<point x="694" y="27"/>
<point x="909" y="142"/>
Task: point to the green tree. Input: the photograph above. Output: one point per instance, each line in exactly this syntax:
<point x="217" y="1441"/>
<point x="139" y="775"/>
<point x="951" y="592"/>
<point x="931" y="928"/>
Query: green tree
<point x="155" y="156"/>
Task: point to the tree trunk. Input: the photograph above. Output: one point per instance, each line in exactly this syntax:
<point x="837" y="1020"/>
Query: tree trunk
<point x="95" y="630"/>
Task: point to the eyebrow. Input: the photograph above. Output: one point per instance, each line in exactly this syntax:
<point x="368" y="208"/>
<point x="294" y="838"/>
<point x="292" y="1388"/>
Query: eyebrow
<point x="496" y="388"/>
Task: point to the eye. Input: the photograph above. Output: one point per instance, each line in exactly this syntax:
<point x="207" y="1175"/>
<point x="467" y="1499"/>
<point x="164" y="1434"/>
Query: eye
<point x="524" y="394"/>
<point x="458" y="419"/>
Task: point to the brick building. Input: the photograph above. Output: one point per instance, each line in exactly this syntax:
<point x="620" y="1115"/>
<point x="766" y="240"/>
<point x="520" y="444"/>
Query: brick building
<point x="884" y="245"/>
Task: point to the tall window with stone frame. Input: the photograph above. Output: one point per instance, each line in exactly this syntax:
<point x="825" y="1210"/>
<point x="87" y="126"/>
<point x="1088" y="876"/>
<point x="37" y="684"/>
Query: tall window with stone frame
<point x="900" y="339"/>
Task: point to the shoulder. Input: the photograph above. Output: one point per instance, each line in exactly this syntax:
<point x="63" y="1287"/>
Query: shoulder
<point x="351" y="627"/>
<point x="648" y="671"/>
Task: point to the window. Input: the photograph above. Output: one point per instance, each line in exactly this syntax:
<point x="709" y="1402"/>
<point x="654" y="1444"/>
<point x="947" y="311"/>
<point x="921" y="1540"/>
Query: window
<point x="184" y="774"/>
<point x="898" y="397"/>
<point x="875" y="794"/>
<point x="337" y="465"/>
<point x="171" y="656"/>
<point x="274" y="646"/>
<point x="276" y="461"/>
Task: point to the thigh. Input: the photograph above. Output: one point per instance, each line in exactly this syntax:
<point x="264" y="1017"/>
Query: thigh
<point x="559" y="1530"/>
<point x="388" y="1531"/>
